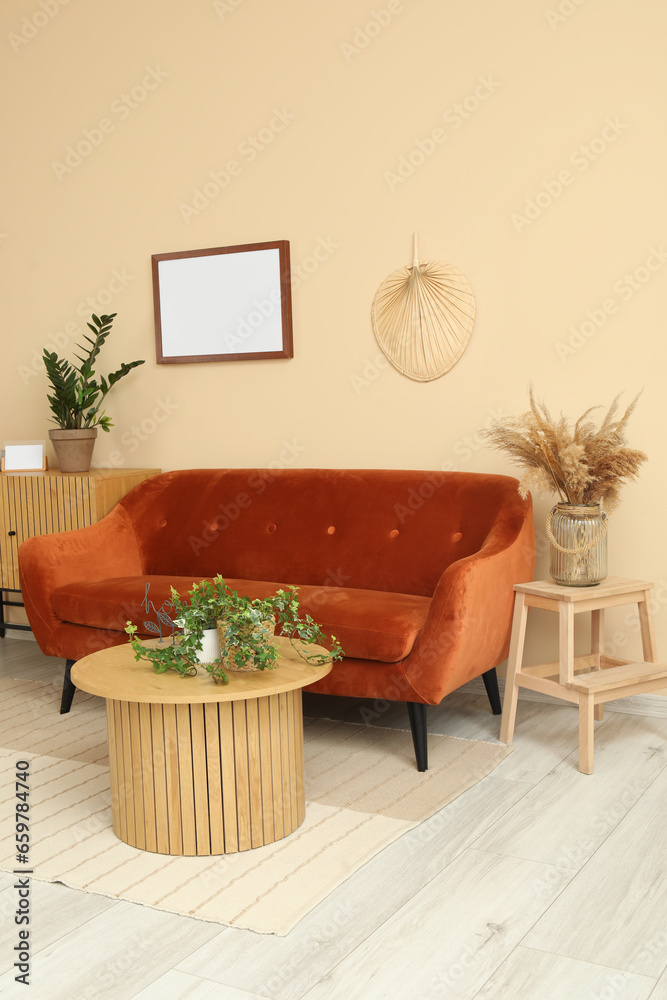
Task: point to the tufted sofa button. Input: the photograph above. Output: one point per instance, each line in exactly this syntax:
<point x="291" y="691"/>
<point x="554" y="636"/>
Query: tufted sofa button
<point x="331" y="530"/>
<point x="163" y="522"/>
<point x="271" y="528"/>
<point x="457" y="536"/>
<point x="394" y="533"/>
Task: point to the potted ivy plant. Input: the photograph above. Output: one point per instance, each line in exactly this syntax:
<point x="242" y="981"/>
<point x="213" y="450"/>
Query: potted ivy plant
<point x="245" y="628"/>
<point x="78" y="396"/>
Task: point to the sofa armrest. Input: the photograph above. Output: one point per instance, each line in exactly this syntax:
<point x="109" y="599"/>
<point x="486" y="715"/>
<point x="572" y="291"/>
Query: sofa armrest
<point x="108" y="548"/>
<point x="467" y="630"/>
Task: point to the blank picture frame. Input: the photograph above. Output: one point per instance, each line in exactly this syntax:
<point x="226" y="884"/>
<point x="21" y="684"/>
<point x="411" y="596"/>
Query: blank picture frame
<point x="223" y="304"/>
<point x="24" y="456"/>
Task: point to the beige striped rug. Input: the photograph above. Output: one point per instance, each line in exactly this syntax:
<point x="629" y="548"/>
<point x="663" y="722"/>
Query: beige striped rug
<point x="362" y="792"/>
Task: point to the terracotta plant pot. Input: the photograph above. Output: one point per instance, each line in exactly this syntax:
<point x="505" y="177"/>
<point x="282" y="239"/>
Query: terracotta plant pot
<point x="74" y="449"/>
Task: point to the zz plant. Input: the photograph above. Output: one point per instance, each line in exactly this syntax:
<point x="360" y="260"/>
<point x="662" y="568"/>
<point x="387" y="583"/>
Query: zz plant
<point x="77" y="395"/>
<point x="245" y="626"/>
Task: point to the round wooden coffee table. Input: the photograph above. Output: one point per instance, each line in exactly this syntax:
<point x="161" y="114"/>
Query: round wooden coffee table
<point x="198" y="767"/>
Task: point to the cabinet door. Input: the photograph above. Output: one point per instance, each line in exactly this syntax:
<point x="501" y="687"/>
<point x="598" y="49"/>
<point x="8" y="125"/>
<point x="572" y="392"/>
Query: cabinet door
<point x="16" y="517"/>
<point x="42" y="502"/>
<point x="7" y="549"/>
<point x="38" y="505"/>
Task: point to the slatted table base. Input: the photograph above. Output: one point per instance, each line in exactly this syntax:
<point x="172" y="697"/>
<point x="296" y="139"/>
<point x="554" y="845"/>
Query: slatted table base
<point x="212" y="778"/>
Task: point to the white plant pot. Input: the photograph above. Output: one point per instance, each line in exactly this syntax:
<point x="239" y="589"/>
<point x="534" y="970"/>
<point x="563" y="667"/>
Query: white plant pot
<point x="210" y="647"/>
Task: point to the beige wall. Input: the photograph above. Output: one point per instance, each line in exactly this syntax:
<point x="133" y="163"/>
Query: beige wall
<point x="524" y="92"/>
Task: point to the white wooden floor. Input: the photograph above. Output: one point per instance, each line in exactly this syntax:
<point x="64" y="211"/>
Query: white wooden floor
<point x="539" y="883"/>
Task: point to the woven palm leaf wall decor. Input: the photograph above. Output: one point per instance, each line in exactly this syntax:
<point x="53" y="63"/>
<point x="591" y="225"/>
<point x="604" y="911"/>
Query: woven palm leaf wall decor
<point x="423" y="317"/>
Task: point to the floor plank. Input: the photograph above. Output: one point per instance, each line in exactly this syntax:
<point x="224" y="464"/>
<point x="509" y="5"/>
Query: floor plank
<point x="418" y="887"/>
<point x="626" y="877"/>
<point x="180" y="986"/>
<point x="56" y="911"/>
<point x="660" y="992"/>
<point x="544" y="735"/>
<point x="113" y="955"/>
<point x="536" y="975"/>
<point x="286" y="967"/>
<point x="6" y="880"/>
<point x="566" y="816"/>
<point x="453" y="934"/>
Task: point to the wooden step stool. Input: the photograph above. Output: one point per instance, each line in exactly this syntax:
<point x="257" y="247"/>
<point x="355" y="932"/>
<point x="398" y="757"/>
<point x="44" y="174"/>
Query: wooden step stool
<point x="588" y="680"/>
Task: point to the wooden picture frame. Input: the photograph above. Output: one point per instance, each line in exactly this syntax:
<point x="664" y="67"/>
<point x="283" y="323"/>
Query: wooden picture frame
<point x="223" y="304"/>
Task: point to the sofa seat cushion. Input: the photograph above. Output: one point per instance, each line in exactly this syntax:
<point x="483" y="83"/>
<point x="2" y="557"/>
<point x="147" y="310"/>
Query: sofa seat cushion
<point x="369" y="624"/>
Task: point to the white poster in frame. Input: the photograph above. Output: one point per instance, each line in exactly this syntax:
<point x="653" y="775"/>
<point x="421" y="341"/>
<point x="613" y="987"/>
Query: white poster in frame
<point x="223" y="304"/>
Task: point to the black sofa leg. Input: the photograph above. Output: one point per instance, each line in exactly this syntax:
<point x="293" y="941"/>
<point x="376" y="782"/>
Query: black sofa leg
<point x="68" y="689"/>
<point x="417" y="714"/>
<point x="490" y="679"/>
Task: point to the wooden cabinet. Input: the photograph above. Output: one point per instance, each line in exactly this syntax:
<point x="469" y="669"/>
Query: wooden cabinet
<point x="38" y="503"/>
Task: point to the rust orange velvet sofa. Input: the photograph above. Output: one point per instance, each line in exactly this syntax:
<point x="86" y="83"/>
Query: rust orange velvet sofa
<point x="412" y="571"/>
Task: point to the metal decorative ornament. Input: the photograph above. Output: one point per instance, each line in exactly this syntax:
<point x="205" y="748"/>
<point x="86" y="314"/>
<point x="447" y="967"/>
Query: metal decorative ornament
<point x="423" y="318"/>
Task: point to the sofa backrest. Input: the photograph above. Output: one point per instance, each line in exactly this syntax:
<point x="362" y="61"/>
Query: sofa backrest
<point x="373" y="529"/>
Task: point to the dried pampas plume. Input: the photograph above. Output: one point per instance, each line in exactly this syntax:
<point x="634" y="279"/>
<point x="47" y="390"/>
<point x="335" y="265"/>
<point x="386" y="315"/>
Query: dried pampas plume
<point x="582" y="464"/>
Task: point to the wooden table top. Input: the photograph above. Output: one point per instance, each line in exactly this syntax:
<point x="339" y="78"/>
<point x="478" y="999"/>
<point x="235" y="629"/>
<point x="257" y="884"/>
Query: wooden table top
<point x="114" y="673"/>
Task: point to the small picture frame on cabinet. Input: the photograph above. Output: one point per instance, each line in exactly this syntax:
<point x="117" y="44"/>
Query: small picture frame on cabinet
<point x="24" y="456"/>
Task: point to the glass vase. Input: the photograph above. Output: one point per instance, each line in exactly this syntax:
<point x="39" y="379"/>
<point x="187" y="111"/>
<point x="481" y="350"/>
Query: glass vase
<point x="577" y="535"/>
